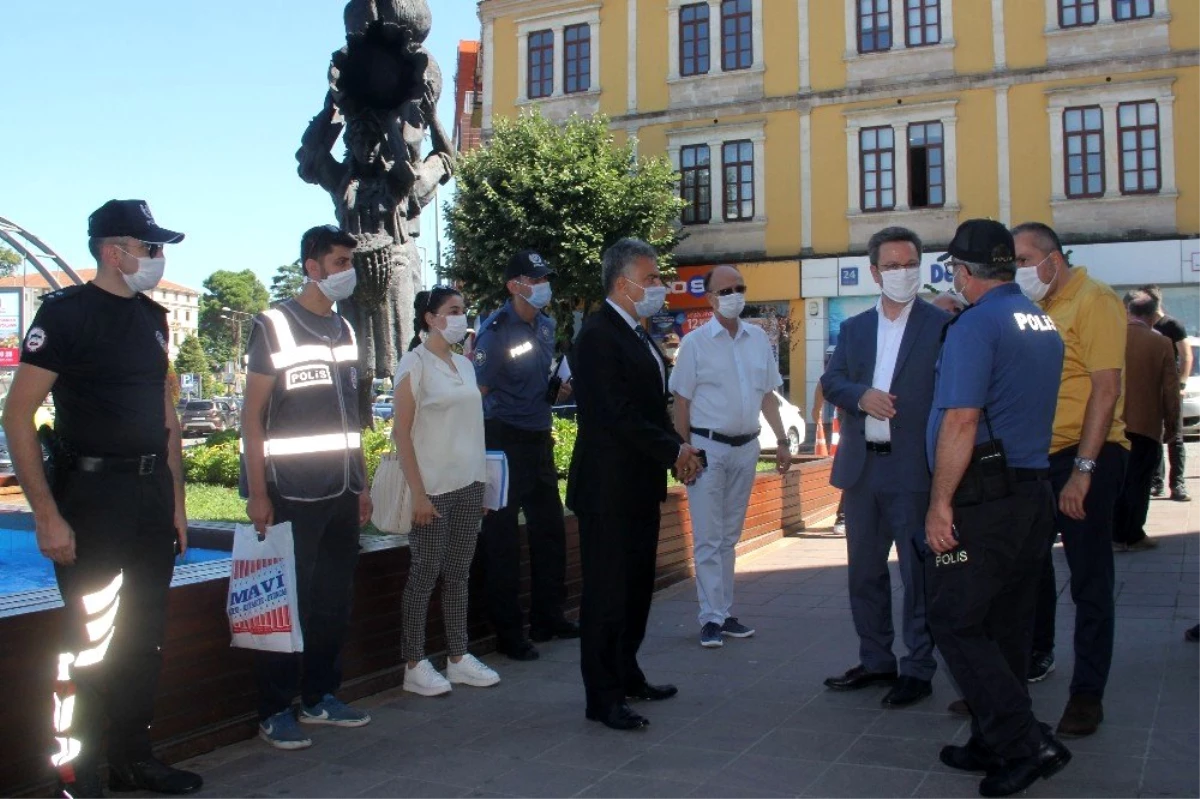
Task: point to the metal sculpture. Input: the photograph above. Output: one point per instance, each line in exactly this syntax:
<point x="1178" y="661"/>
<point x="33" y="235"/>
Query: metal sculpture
<point x="384" y="87"/>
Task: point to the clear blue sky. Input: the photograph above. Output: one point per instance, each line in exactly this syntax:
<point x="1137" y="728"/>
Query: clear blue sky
<point x="196" y="106"/>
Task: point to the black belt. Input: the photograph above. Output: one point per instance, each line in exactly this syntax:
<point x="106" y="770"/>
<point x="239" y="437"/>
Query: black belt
<point x="880" y="447"/>
<point x="1029" y="475"/>
<point x="140" y="465"/>
<point x="721" y="438"/>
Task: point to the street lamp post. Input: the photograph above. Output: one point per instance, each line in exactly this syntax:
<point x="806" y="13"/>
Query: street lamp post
<point x="236" y="318"/>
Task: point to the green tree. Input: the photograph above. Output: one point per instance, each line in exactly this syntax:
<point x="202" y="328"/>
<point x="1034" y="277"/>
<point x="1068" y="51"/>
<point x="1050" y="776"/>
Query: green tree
<point x="221" y="331"/>
<point x="9" y="261"/>
<point x="287" y="282"/>
<point x="191" y="357"/>
<point x="566" y="191"/>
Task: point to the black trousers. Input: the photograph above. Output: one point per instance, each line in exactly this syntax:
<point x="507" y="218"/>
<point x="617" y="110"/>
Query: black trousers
<point x="1088" y="545"/>
<point x="326" y="540"/>
<point x="1129" y="522"/>
<point x="980" y="609"/>
<point x="618" y="552"/>
<point x="532" y="488"/>
<point x="125" y="555"/>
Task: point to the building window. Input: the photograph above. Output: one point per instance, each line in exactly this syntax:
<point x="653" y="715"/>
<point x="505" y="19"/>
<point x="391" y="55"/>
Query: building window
<point x="577" y="58"/>
<point x="877" y="166"/>
<point x="693" y="39"/>
<point x="926" y="166"/>
<point x="1137" y="130"/>
<point x="737" y="27"/>
<point x="738" y="160"/>
<point x="541" y="64"/>
<point x="1124" y="10"/>
<point x="874" y="26"/>
<point x="695" y="185"/>
<point x="1083" y="143"/>
<point x="922" y="22"/>
<point x="1077" y="13"/>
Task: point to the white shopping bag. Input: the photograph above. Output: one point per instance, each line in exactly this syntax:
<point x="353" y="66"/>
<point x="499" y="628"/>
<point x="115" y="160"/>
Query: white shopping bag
<point x="495" y="492"/>
<point x="263" y="608"/>
<point x="391" y="499"/>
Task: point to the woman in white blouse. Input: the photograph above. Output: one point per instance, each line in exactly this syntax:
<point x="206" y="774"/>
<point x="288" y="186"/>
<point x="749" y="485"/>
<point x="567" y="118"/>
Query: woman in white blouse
<point x="438" y="432"/>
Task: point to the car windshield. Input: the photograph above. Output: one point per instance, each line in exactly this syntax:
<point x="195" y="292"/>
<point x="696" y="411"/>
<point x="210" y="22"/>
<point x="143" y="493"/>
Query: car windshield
<point x="199" y="406"/>
<point x="1195" y="360"/>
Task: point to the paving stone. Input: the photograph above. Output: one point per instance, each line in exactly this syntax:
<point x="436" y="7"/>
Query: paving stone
<point x="804" y="744"/>
<point x="543" y="779"/>
<point x="865" y="781"/>
<point x="753" y="773"/>
<point x="328" y="780"/>
<point x="406" y="788"/>
<point x="678" y="763"/>
<point x="636" y="786"/>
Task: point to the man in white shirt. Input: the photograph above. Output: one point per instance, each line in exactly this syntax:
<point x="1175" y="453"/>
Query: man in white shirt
<point x="725" y="373"/>
<point x="881" y="379"/>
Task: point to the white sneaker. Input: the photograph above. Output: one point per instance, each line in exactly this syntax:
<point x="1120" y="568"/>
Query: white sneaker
<point x="470" y="671"/>
<point x="425" y="680"/>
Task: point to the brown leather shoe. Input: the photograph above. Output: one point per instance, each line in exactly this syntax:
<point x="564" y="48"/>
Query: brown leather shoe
<point x="1082" y="716"/>
<point x="959" y="707"/>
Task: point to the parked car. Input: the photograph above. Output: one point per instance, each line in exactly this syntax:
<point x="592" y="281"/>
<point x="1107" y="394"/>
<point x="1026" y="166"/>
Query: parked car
<point x="202" y="417"/>
<point x="6" y="465"/>
<point x="793" y="426"/>
<point x="232" y="410"/>
<point x="382" y="407"/>
<point x="1191" y="394"/>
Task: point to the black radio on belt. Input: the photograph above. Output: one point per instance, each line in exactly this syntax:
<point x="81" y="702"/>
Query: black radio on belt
<point x="556" y="382"/>
<point x="988" y="477"/>
<point x="57" y="456"/>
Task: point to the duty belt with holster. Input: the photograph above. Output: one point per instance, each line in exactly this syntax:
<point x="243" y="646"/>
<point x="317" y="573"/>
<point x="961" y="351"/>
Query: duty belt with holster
<point x="60" y="457"/>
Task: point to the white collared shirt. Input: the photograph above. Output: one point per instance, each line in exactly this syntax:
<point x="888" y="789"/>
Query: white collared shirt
<point x="725" y="377"/>
<point x="633" y="323"/>
<point x="887" y="349"/>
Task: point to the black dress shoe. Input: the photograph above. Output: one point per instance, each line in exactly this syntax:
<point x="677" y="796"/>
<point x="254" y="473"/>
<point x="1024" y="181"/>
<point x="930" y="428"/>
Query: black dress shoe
<point x="652" y="693"/>
<point x="972" y="757"/>
<point x="906" y="691"/>
<point x="618" y="717"/>
<point x="152" y="775"/>
<point x="859" y="677"/>
<point x="563" y="628"/>
<point x="1018" y="774"/>
<point x="86" y="784"/>
<point x="517" y="650"/>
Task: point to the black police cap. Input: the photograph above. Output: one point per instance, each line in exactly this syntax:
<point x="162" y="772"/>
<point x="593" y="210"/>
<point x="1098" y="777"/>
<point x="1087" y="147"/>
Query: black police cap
<point x="528" y="263"/>
<point x="981" y="241"/>
<point x="129" y="218"/>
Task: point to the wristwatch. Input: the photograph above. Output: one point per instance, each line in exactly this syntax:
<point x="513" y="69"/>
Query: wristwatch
<point x="1085" y="465"/>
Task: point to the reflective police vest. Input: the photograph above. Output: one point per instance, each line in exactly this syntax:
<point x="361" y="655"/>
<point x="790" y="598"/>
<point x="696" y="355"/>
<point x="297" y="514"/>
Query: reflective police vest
<point x="313" y="440"/>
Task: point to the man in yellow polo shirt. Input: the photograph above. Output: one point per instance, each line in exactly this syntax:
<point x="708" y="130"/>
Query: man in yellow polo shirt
<point x="1088" y="456"/>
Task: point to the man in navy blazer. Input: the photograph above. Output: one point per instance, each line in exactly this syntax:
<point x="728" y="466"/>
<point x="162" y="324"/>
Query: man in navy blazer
<point x="881" y="379"/>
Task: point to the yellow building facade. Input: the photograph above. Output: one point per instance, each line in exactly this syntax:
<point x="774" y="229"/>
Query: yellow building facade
<point x="801" y="127"/>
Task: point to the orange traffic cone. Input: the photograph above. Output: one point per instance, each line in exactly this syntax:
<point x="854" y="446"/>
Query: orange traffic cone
<point x="835" y="437"/>
<point x="821" y="450"/>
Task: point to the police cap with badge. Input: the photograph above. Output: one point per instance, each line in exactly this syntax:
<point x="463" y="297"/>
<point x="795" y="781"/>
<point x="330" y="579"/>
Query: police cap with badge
<point x="129" y="218"/>
<point x="528" y="263"/>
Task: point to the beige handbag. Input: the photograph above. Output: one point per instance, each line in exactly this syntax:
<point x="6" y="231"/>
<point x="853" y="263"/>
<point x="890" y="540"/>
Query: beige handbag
<point x="391" y="497"/>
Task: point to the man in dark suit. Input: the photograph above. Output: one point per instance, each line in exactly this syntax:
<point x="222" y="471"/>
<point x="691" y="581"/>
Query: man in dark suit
<point x="881" y="379"/>
<point x="618" y="480"/>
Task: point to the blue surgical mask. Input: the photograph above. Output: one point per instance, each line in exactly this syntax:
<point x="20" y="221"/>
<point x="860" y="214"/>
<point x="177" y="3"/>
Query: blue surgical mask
<point x="540" y="294"/>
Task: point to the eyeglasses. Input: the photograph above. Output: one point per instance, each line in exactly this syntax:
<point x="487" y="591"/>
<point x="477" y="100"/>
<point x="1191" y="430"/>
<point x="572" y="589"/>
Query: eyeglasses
<point x="731" y="290"/>
<point x="894" y="267"/>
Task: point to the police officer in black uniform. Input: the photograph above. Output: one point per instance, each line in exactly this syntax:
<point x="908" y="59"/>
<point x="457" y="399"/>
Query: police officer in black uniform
<point x="991" y="507"/>
<point x="514" y="359"/>
<point x="110" y="510"/>
<point x="304" y="464"/>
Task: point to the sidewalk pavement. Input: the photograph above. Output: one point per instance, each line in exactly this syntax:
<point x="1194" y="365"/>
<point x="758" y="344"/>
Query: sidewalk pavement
<point x="752" y="718"/>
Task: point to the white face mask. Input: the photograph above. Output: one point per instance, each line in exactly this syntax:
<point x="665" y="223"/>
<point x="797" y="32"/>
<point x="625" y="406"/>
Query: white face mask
<point x="540" y="294"/>
<point x="339" y="286"/>
<point x="731" y="305"/>
<point x="652" y="301"/>
<point x="901" y="285"/>
<point x="1032" y="285"/>
<point x="148" y="275"/>
<point x="455" y="329"/>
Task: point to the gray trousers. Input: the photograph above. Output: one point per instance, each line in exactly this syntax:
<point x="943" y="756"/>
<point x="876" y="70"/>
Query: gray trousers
<point x="877" y="515"/>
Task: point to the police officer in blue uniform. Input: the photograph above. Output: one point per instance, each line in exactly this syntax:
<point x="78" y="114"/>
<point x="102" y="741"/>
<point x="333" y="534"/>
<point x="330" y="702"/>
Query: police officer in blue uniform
<point x="110" y="511"/>
<point x="514" y="358"/>
<point x="991" y="507"/>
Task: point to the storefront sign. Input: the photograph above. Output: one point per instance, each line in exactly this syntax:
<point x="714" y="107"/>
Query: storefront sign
<point x="686" y="290"/>
<point x="10" y="327"/>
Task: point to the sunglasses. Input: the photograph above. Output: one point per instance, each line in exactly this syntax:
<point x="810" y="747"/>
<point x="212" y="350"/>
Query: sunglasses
<point x="154" y="250"/>
<point x="731" y="290"/>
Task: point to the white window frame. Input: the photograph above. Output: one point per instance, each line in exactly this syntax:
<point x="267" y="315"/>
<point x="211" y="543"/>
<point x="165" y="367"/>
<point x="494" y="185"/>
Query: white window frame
<point x="556" y="22"/>
<point x="898" y="118"/>
<point x="716" y="64"/>
<point x="899" y="30"/>
<point x="1108" y="96"/>
<point x="715" y="137"/>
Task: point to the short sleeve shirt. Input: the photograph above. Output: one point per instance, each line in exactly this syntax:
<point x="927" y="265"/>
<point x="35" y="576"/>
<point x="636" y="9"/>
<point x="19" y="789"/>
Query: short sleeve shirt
<point x="1091" y="319"/>
<point x="110" y="355"/>
<point x="1002" y="354"/>
<point x="725" y="377"/>
<point x="513" y="359"/>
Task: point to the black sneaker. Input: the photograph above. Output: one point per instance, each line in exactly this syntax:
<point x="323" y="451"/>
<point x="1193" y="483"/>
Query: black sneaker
<point x="735" y="629"/>
<point x="1156" y="489"/>
<point x="1192" y="634"/>
<point x="1180" y="494"/>
<point x="710" y="636"/>
<point x="1041" y="665"/>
